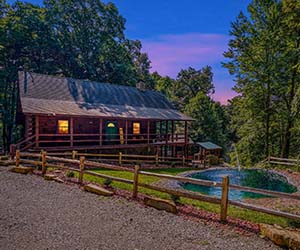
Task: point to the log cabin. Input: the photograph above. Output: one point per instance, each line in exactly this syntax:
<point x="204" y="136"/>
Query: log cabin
<point x="63" y="114"/>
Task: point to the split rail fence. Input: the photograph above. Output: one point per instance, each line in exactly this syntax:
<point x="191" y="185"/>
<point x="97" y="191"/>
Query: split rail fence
<point x="80" y="165"/>
<point x="123" y="159"/>
<point x="285" y="162"/>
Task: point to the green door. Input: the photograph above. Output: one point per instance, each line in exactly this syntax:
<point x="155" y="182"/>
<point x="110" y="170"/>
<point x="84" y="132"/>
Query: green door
<point x="111" y="132"/>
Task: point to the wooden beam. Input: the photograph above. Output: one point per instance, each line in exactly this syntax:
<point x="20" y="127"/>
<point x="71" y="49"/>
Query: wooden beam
<point x="224" y="199"/>
<point x="126" y="132"/>
<point x="71" y="131"/>
<point x="100" y="131"/>
<point x="148" y="131"/>
<point x="37" y="128"/>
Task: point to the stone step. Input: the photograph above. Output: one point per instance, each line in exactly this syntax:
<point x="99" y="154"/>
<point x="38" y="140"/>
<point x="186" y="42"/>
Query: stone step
<point x="284" y="237"/>
<point x="97" y="190"/>
<point x="22" y="170"/>
<point x="161" y="204"/>
<point x="49" y="177"/>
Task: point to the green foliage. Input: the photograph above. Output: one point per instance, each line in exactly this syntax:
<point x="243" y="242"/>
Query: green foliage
<point x="107" y="182"/>
<point x="190" y="92"/>
<point x="175" y="198"/>
<point x="80" y="39"/>
<point x="70" y="174"/>
<point x="213" y="160"/>
<point x="263" y="58"/>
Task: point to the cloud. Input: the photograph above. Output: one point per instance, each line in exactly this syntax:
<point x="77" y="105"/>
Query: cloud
<point x="170" y="53"/>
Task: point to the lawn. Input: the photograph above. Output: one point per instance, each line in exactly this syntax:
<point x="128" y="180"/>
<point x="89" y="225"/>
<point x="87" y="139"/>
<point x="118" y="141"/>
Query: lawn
<point x="233" y="211"/>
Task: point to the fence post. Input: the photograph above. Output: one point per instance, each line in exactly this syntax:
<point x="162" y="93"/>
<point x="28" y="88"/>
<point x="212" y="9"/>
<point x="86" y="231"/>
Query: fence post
<point x="135" y="181"/>
<point x="156" y="159"/>
<point x="183" y="161"/>
<point x="12" y="151"/>
<point x="120" y="158"/>
<point x="44" y="169"/>
<point x="74" y="153"/>
<point x="17" y="158"/>
<point x="224" y="200"/>
<point x="81" y="167"/>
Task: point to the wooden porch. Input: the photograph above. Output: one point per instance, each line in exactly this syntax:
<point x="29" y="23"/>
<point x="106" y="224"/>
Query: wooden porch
<point x="59" y="133"/>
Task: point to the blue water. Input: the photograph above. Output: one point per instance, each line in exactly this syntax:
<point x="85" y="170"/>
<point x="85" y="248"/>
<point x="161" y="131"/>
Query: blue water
<point x="255" y="178"/>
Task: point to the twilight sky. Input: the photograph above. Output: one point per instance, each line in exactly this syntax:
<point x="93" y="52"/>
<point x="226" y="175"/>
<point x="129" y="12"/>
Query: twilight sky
<point x="177" y="34"/>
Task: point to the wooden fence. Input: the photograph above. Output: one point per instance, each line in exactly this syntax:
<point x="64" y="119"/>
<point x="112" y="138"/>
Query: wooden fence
<point x="284" y="161"/>
<point x="78" y="166"/>
<point x="122" y="158"/>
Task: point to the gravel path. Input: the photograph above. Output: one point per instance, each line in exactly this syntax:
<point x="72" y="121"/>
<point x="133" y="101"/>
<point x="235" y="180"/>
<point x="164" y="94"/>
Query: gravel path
<point x="36" y="214"/>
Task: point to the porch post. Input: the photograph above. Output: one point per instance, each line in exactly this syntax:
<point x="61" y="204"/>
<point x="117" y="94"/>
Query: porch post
<point x="167" y="138"/>
<point x="148" y="131"/>
<point x="71" y="131"/>
<point x="172" y="138"/>
<point x="126" y="132"/>
<point x="100" y="131"/>
<point x="185" y="138"/>
<point x="160" y="129"/>
<point x="37" y="130"/>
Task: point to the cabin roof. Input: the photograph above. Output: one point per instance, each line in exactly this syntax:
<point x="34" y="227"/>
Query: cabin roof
<point x="51" y="95"/>
<point x="208" y="145"/>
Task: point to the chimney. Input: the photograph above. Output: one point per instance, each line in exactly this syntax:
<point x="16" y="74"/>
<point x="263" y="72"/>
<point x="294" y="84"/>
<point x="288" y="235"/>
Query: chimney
<point x="141" y="86"/>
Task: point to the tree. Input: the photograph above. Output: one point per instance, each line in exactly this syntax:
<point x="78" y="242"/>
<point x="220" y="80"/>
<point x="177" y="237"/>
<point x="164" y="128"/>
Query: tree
<point x="262" y="59"/>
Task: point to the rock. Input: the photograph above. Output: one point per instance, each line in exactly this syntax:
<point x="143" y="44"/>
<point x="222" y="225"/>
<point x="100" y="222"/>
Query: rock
<point x="161" y="204"/>
<point x="49" y="177"/>
<point x="59" y="180"/>
<point x="97" y="190"/>
<point x="284" y="237"/>
<point x="22" y="170"/>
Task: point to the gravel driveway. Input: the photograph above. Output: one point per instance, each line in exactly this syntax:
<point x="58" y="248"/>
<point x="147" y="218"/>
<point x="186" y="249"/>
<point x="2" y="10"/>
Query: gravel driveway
<point x="37" y="214"/>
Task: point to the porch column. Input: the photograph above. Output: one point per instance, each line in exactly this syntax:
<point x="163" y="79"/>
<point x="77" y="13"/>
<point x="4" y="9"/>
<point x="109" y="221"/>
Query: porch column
<point x="167" y="138"/>
<point x="160" y="130"/>
<point x="100" y="131"/>
<point x="37" y="131"/>
<point x="71" y="131"/>
<point x="148" y="132"/>
<point x="126" y="132"/>
<point x="185" y="139"/>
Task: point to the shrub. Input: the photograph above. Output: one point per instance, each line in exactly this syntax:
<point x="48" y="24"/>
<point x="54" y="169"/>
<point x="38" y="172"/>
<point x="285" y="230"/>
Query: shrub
<point x="175" y="198"/>
<point x="107" y="182"/>
<point x="173" y="164"/>
<point x="212" y="160"/>
<point x="70" y="174"/>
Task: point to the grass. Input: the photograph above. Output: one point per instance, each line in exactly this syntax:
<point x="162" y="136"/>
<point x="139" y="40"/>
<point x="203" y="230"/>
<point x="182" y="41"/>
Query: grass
<point x="244" y="214"/>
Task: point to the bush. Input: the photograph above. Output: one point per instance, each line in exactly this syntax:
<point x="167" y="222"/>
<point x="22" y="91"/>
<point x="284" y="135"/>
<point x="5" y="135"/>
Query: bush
<point x="107" y="182"/>
<point x="173" y="164"/>
<point x="70" y="174"/>
<point x="212" y="160"/>
<point x="175" y="198"/>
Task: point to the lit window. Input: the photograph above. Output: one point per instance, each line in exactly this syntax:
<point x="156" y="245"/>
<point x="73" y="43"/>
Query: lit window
<point x="136" y="128"/>
<point x="110" y="125"/>
<point x="63" y="126"/>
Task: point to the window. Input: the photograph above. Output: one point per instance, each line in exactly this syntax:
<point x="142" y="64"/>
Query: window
<point x="136" y="128"/>
<point x="110" y="125"/>
<point x="63" y="126"/>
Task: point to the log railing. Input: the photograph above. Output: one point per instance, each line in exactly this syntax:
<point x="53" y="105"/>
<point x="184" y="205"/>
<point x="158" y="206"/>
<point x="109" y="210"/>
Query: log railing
<point x="79" y="166"/>
<point x="284" y="161"/>
<point x="123" y="159"/>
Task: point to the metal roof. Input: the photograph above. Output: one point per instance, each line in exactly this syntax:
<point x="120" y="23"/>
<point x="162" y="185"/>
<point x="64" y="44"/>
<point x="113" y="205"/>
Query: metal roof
<point x="50" y="95"/>
<point x="208" y="145"/>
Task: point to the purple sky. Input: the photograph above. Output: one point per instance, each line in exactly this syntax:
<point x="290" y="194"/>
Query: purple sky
<point x="170" y="53"/>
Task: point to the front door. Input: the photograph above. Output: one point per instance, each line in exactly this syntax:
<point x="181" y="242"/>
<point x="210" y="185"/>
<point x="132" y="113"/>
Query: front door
<point x="111" y="132"/>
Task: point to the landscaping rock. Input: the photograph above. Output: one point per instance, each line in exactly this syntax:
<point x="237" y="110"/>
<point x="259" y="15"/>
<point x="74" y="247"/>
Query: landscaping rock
<point x="161" y="204"/>
<point x="284" y="237"/>
<point x="22" y="170"/>
<point x="49" y="177"/>
<point x="59" y="180"/>
<point x="97" y="190"/>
